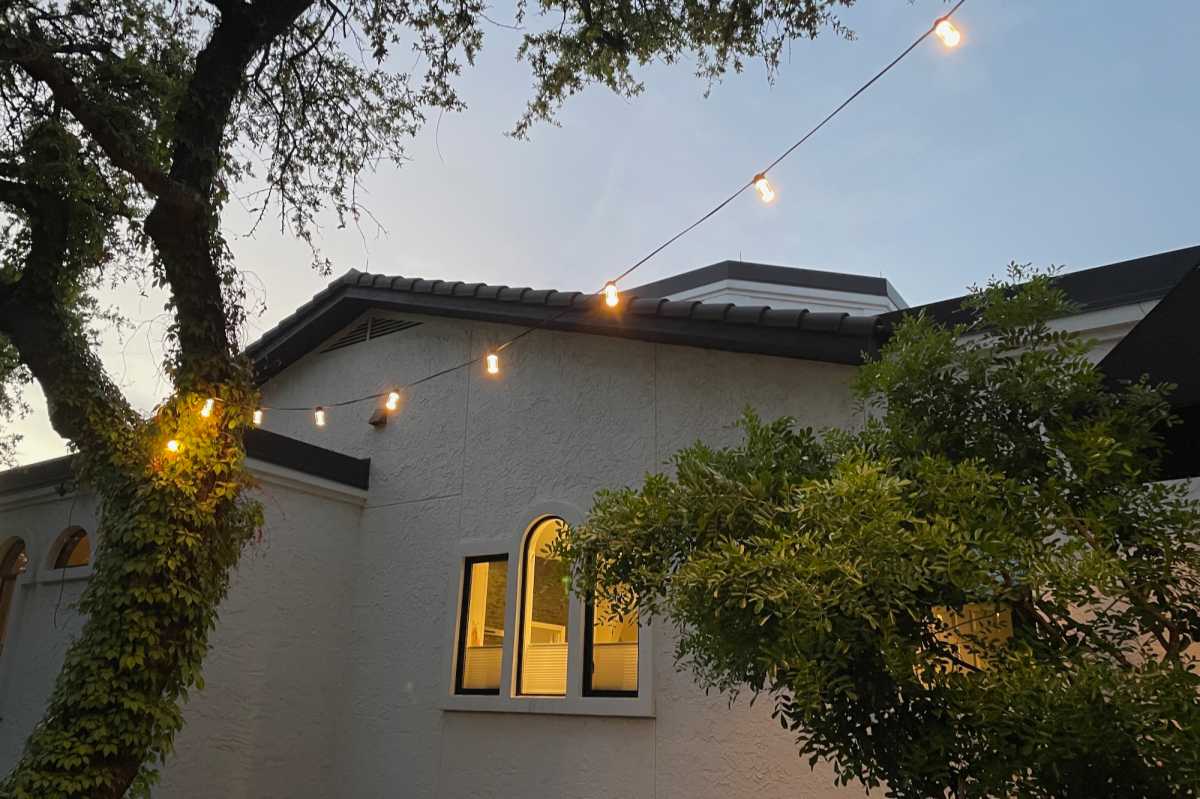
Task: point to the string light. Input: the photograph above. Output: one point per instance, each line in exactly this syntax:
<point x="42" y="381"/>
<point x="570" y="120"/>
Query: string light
<point x="173" y="446"/>
<point x="258" y="414"/>
<point x="946" y="31"/>
<point x="943" y="28"/>
<point x="207" y="410"/>
<point x="612" y="297"/>
<point x="763" y="186"/>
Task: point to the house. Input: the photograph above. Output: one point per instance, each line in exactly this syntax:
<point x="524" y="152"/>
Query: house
<point x="398" y="630"/>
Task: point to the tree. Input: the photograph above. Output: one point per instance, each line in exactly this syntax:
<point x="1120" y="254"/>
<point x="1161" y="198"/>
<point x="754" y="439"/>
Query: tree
<point x="982" y="592"/>
<point x="126" y="125"/>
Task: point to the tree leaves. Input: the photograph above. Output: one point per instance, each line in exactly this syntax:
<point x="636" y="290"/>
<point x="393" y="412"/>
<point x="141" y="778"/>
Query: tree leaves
<point x="996" y="471"/>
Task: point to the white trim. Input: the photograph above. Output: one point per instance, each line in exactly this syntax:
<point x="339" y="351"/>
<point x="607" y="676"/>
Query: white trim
<point x="270" y="474"/>
<point x="508" y="701"/>
<point x="748" y="292"/>
<point x="52" y="576"/>
<point x="36" y="496"/>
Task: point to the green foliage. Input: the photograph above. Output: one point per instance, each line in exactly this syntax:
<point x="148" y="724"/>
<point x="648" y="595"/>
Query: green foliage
<point x="994" y="471"/>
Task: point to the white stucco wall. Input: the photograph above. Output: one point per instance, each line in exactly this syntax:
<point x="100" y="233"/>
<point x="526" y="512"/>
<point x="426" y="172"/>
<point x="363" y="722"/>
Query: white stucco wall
<point x="473" y="457"/>
<point x="261" y="727"/>
<point x="328" y="673"/>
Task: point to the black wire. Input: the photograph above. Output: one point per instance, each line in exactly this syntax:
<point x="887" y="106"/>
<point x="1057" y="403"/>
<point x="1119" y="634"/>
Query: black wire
<point x="704" y="218"/>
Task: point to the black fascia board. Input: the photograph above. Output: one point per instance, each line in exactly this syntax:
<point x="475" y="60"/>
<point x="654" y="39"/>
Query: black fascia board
<point x="1144" y="279"/>
<point x="308" y="458"/>
<point x="262" y="445"/>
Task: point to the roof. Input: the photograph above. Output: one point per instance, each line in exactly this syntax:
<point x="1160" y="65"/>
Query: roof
<point x="261" y="445"/>
<point x="796" y="333"/>
<point x="1144" y="279"/>
<point x="1165" y="347"/>
<point x="776" y="275"/>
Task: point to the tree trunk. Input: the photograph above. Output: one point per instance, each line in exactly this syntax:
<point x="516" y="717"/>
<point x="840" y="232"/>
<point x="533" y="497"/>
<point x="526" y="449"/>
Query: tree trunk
<point x="172" y="528"/>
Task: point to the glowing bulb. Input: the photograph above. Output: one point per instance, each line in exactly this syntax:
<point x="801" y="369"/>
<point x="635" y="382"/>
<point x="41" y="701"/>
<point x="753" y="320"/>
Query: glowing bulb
<point x="946" y="31"/>
<point x="393" y="400"/>
<point x="763" y="186"/>
<point x="611" y="296"/>
<point x="319" y="416"/>
<point x="207" y="410"/>
<point x="173" y="446"/>
<point x="257" y="416"/>
<point x="493" y="363"/>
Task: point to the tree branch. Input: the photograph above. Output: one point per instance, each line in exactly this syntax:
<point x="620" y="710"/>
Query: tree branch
<point x="37" y="60"/>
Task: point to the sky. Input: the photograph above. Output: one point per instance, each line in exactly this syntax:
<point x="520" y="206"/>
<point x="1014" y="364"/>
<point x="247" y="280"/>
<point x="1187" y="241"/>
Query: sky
<point x="1057" y="133"/>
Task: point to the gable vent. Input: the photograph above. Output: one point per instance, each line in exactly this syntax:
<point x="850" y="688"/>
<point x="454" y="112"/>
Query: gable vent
<point x="372" y="327"/>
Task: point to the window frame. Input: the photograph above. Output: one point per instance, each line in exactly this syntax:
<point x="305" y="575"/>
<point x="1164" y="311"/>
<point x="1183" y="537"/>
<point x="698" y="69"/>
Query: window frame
<point x="507" y="529"/>
<point x="12" y="549"/>
<point x="71" y="537"/>
<point x="460" y="646"/>
<point x="523" y="583"/>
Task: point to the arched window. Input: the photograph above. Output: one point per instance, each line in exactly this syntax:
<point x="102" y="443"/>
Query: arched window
<point x="545" y="599"/>
<point x="74" y="550"/>
<point x="12" y="564"/>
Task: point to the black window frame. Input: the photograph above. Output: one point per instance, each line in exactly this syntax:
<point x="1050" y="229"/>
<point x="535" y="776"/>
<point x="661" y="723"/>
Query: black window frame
<point x="463" y="612"/>
<point x="589" y="659"/>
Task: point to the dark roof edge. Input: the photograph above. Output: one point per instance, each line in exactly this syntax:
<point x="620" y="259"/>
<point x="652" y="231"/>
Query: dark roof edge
<point x="261" y="445"/>
<point x="820" y="336"/>
<point x="770" y="273"/>
<point x="1150" y="277"/>
<point x="310" y="459"/>
<point x="56" y="471"/>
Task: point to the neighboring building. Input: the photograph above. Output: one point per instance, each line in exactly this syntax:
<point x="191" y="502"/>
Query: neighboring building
<point x="398" y="631"/>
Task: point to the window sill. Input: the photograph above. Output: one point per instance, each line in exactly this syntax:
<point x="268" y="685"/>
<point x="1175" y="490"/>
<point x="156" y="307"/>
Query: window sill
<point x="56" y="576"/>
<point x="618" y="706"/>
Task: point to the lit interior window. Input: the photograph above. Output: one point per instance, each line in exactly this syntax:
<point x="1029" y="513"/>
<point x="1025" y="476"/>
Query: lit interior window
<point x="75" y="551"/>
<point x="973" y="631"/>
<point x="614" y="652"/>
<point x="481" y="636"/>
<point x="12" y="565"/>
<point x="544" y="605"/>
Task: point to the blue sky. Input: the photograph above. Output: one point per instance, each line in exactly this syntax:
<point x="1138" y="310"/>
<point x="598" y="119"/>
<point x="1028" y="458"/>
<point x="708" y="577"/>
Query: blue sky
<point x="1058" y="132"/>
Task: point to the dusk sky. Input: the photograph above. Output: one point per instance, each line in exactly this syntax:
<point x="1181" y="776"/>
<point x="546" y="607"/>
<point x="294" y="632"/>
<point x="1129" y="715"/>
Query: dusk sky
<point x="1059" y="132"/>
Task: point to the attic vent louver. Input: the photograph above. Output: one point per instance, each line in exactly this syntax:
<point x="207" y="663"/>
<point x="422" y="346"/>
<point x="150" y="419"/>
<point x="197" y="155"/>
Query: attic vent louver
<point x="373" y="327"/>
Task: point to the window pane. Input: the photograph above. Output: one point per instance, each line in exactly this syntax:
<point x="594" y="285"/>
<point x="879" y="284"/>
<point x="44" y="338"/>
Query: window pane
<point x="481" y="638"/>
<point x="544" y="615"/>
<point x="12" y="565"/>
<point x="75" y="551"/>
<point x="614" y="666"/>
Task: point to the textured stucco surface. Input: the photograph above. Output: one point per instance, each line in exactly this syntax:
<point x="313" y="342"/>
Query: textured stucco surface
<point x="328" y="673"/>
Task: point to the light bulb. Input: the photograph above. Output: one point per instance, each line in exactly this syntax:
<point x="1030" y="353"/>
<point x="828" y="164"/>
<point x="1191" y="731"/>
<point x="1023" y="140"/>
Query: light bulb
<point x="493" y="363"/>
<point x="612" y="297"/>
<point x="319" y="416"/>
<point x="763" y="186"/>
<point x="207" y="410"/>
<point x="946" y="31"/>
<point x="393" y="400"/>
<point x="257" y="416"/>
<point x="173" y="446"/>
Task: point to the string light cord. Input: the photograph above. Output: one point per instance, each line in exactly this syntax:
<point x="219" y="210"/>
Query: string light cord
<point x="864" y="87"/>
<point x="664" y="245"/>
